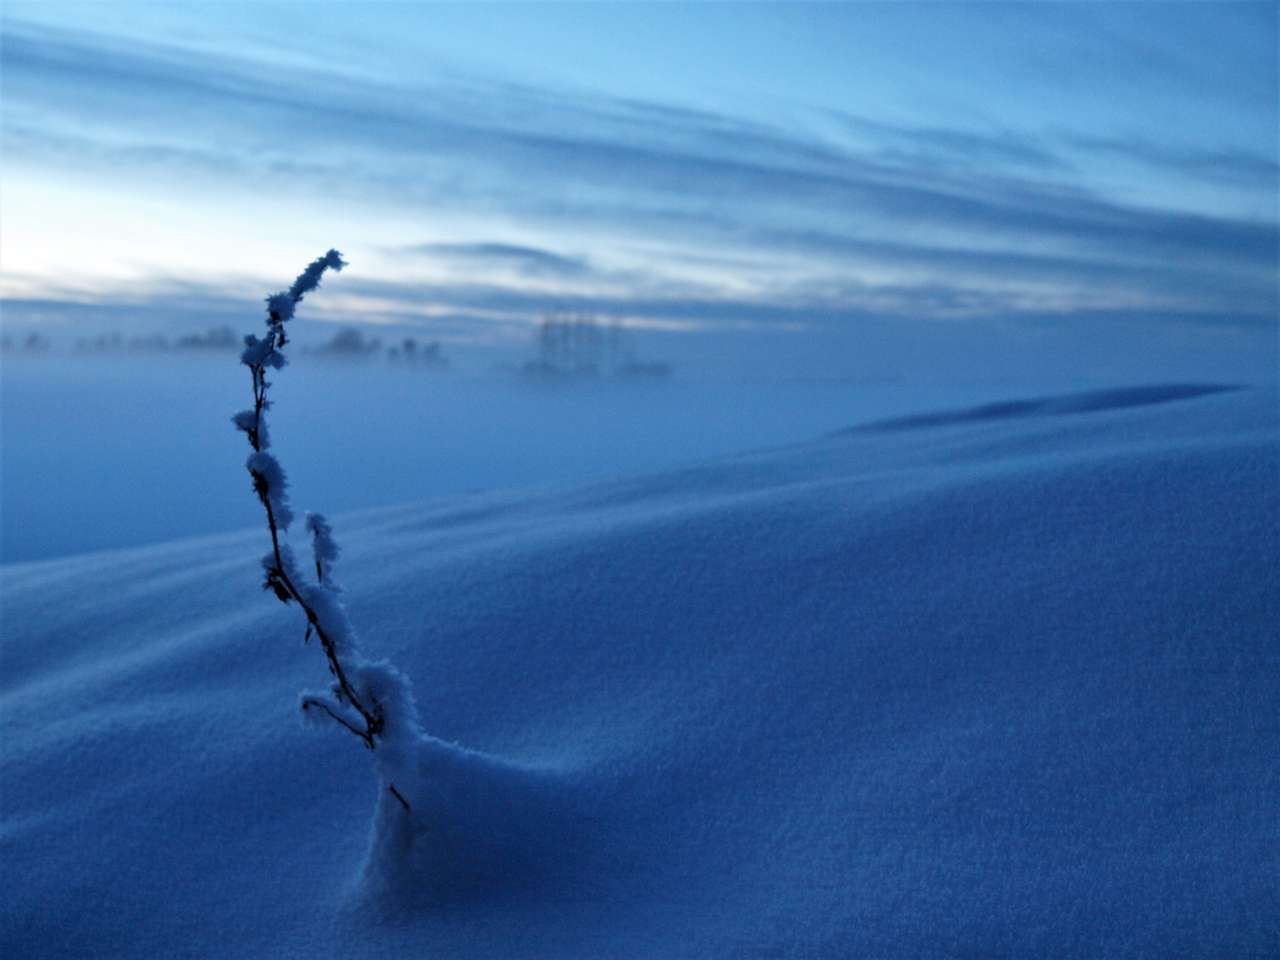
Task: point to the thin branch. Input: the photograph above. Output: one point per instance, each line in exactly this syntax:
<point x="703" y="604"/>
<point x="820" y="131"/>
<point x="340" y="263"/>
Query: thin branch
<point x="278" y="575"/>
<point x="396" y="793"/>
<point x="373" y="722"/>
<point x="309" y="702"/>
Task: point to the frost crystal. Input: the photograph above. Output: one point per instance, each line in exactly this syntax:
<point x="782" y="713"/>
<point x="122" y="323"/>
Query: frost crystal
<point x="322" y="542"/>
<point x="279" y="308"/>
<point x="309" y="279"/>
<point x="272" y="485"/>
<point x="254" y="426"/>
<point x="255" y="351"/>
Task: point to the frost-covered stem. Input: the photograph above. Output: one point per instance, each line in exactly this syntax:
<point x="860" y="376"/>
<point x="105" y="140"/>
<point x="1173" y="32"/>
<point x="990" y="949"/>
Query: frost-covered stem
<point x="269" y="484"/>
<point x="373" y="722"/>
<point x="259" y="374"/>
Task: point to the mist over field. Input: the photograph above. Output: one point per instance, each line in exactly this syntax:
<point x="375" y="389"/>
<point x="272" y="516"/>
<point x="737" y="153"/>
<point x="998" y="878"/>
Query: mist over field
<point x="128" y="450"/>
<point x="712" y="480"/>
<point x="133" y="447"/>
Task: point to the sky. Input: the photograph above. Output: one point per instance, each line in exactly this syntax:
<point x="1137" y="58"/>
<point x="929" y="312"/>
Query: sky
<point x="1085" y="177"/>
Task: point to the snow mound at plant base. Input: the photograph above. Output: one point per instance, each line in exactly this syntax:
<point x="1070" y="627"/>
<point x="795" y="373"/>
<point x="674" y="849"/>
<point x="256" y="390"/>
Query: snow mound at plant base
<point x="989" y="685"/>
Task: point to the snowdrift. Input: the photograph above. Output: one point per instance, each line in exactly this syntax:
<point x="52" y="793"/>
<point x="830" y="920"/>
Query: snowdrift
<point x="1001" y="682"/>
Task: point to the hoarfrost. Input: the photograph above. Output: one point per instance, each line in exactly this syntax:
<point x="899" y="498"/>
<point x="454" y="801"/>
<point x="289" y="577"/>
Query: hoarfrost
<point x="322" y="542"/>
<point x="309" y="279"/>
<point x="270" y="482"/>
<point x="280" y="308"/>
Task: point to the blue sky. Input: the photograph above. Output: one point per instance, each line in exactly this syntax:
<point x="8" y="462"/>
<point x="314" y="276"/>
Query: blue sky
<point x="813" y="169"/>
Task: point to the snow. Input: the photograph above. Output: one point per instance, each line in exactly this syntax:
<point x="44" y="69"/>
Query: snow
<point x="323" y="546"/>
<point x="262" y="352"/>
<point x="996" y="681"/>
<point x="266" y="470"/>
<point x="280" y="307"/>
<point x="309" y="279"/>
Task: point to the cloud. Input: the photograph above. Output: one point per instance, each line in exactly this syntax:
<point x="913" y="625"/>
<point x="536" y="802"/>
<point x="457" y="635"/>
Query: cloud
<point x="938" y="146"/>
<point x="479" y="310"/>
<point x="525" y="260"/>
<point x="955" y="221"/>
<point x="1230" y="166"/>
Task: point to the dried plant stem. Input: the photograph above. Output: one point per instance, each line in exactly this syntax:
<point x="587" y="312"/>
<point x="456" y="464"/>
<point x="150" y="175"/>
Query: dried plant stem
<point x="373" y="721"/>
<point x="258" y="356"/>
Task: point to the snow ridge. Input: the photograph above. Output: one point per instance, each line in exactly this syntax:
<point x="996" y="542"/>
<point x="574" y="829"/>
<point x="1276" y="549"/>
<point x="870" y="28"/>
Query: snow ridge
<point x="999" y="691"/>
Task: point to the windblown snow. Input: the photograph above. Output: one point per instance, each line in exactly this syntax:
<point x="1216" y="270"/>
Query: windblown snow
<point x="989" y="683"/>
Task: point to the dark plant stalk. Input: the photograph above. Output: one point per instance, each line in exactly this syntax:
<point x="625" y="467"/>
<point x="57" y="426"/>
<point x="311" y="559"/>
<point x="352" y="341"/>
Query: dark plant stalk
<point x="258" y="355"/>
<point x="279" y="578"/>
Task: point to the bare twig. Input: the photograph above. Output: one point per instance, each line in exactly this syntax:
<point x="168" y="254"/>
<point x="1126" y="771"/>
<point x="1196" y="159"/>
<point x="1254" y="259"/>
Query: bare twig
<point x="258" y="356"/>
<point x="396" y="793"/>
<point x="309" y="702"/>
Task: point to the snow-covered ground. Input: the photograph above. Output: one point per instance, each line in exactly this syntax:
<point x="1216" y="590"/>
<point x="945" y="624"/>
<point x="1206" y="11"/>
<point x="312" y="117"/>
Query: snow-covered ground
<point x="995" y="682"/>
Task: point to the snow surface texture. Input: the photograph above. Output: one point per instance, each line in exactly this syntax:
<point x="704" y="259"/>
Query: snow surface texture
<point x="967" y="686"/>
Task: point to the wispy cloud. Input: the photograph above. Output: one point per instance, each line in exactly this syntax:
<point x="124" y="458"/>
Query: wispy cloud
<point x="1232" y="166"/>
<point x="887" y="219"/>
<point x="528" y="261"/>
<point x="943" y="147"/>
